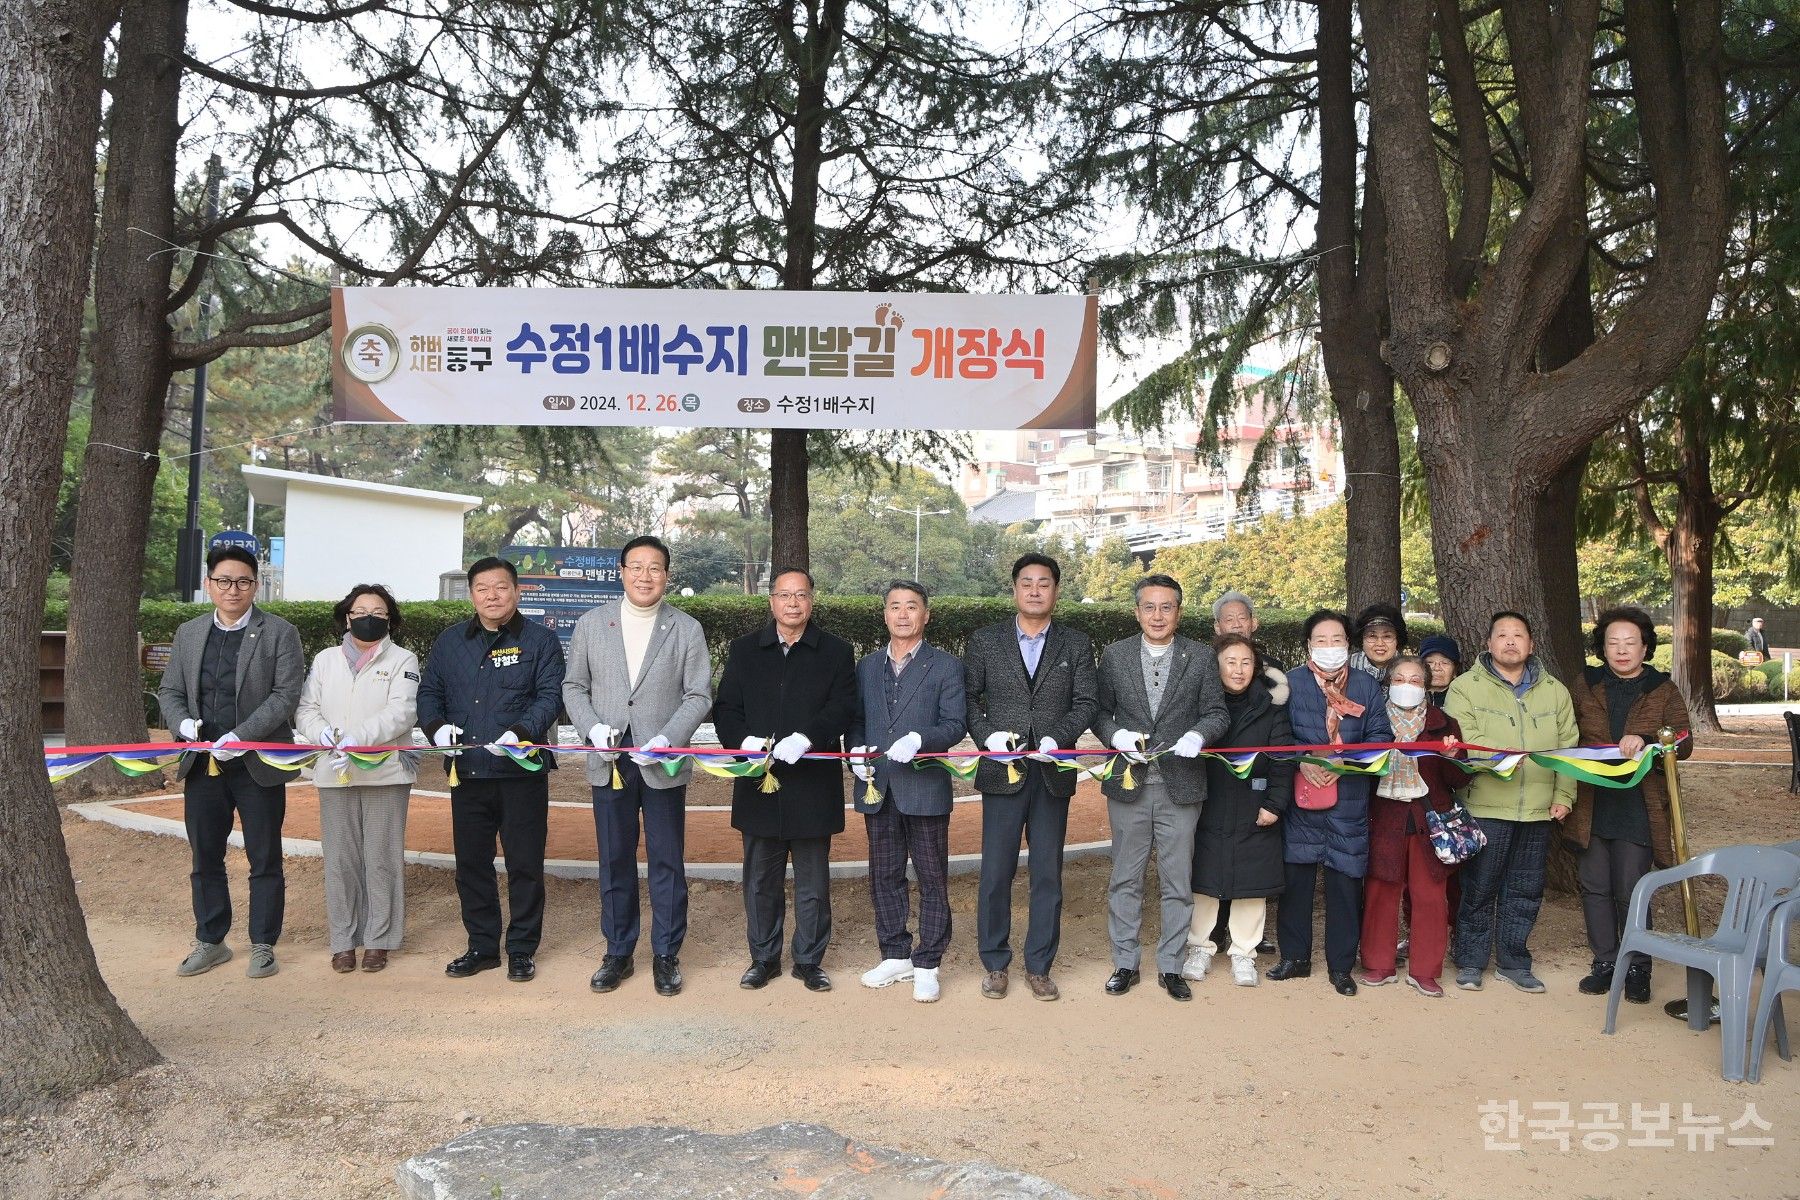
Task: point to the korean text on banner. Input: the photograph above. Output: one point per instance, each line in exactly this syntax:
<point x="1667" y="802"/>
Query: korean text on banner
<point x="764" y="360"/>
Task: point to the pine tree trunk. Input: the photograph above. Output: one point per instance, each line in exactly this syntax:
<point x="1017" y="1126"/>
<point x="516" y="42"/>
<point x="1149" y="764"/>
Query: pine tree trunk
<point x="131" y="381"/>
<point x="1570" y="332"/>
<point x="789" y="503"/>
<point x="1689" y="549"/>
<point x="1372" y="484"/>
<point x="61" y="1028"/>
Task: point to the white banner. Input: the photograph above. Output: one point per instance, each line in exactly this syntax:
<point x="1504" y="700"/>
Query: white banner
<point x="765" y="360"/>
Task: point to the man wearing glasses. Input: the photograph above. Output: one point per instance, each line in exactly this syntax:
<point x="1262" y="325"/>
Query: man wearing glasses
<point x="234" y="676"/>
<point x="1158" y="691"/>
<point x="639" y="676"/>
<point x="787" y="689"/>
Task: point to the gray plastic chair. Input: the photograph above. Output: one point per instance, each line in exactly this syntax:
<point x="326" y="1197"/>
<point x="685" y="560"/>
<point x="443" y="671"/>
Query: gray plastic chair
<point x="1779" y="975"/>
<point x="1756" y="878"/>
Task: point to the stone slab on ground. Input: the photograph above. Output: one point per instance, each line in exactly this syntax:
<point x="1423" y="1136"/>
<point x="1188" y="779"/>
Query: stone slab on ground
<point x="562" y="1162"/>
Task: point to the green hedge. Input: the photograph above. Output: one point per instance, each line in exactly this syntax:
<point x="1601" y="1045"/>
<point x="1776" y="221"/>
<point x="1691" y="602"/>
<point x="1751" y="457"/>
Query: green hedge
<point x="854" y="618"/>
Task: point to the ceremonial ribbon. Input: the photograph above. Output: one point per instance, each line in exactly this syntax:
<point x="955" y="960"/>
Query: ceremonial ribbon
<point x="1601" y="766"/>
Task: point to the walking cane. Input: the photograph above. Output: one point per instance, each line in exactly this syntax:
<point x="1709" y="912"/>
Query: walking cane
<point x="1698" y="981"/>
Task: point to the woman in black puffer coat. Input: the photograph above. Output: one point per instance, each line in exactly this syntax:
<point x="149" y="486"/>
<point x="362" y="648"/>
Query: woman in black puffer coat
<point x="1237" y="847"/>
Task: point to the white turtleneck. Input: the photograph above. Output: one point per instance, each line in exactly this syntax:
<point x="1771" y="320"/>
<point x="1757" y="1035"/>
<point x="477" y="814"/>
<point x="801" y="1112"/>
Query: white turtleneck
<point x="635" y="626"/>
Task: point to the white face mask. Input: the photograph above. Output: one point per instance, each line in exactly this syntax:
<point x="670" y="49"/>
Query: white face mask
<point x="1330" y="658"/>
<point x="1406" y="695"/>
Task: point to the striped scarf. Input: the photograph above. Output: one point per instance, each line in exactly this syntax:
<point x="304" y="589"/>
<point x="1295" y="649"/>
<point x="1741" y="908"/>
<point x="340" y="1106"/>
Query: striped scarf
<point x="1403" y="777"/>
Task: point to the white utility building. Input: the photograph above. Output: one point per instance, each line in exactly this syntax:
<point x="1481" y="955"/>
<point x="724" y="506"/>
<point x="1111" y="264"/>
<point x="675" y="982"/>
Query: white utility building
<point x="342" y="532"/>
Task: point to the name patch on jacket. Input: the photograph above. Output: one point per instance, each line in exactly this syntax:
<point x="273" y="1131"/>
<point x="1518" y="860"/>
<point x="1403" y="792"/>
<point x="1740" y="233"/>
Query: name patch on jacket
<point x="504" y="656"/>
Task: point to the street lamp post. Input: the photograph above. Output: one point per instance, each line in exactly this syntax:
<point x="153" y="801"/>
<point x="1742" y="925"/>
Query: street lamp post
<point x="918" y="515"/>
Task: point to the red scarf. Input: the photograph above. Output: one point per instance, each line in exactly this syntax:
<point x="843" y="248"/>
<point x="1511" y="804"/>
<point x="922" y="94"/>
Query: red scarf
<point x="1337" y="704"/>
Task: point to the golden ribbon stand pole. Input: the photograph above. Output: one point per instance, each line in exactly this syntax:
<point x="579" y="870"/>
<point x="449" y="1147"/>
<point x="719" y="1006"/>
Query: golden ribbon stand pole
<point x="1699" y="983"/>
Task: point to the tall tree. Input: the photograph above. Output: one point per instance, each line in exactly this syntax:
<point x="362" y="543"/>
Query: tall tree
<point x="1471" y="303"/>
<point x="62" y="1029"/>
<point x="831" y="144"/>
<point x="1230" y="125"/>
<point x="721" y="490"/>
<point x="318" y="162"/>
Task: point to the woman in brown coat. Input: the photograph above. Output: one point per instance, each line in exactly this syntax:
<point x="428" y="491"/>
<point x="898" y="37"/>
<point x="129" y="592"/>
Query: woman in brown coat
<point x="1620" y="832"/>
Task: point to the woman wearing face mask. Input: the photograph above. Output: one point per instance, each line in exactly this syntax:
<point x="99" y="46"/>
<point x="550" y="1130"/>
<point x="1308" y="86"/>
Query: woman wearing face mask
<point x="363" y="692"/>
<point x="1621" y="832"/>
<point x="1237" y="847"/>
<point x="1401" y="860"/>
<point x="1328" y="704"/>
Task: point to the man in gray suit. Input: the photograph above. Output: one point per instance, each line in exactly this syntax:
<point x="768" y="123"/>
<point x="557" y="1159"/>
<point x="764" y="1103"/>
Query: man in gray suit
<point x="639" y="676"/>
<point x="1030" y="684"/>
<point x="234" y="676"/>
<point x="910" y="700"/>
<point x="1158" y="691"/>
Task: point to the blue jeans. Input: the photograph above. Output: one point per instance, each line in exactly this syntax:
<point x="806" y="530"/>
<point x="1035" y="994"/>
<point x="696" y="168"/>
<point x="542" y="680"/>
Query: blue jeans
<point x="1502" y="890"/>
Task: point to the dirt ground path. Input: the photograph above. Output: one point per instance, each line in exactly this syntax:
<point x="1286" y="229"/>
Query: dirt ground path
<point x="313" y="1084"/>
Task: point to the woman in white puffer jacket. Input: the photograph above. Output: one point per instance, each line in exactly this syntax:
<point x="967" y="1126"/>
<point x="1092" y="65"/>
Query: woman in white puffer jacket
<point x="363" y="692"/>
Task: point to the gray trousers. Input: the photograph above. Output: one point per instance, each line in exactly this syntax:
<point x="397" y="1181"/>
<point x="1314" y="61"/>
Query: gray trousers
<point x="1151" y="821"/>
<point x="363" y="832"/>
<point x="765" y="897"/>
<point x="1031" y="813"/>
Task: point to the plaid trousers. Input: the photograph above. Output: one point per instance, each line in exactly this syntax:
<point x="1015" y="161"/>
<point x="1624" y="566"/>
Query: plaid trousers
<point x="893" y="838"/>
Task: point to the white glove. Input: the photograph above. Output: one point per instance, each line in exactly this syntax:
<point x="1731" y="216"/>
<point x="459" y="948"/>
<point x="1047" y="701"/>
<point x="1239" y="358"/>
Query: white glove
<point x="498" y="745"/>
<point x="189" y="730"/>
<point x="790" y="748"/>
<point x="754" y="745"/>
<point x="338" y="763"/>
<point x="219" y="750"/>
<point x="603" y="736"/>
<point x="999" y="740"/>
<point x="862" y="768"/>
<point x="645" y="760"/>
<point x="1130" y="743"/>
<point x="903" y="750"/>
<point x="446" y="736"/>
<point x="1189" y="745"/>
<point x="1043" y="751"/>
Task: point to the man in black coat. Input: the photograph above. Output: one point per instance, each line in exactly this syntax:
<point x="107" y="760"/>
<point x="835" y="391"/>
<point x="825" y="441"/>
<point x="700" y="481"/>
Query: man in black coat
<point x="788" y="688"/>
<point x="1030" y="685"/>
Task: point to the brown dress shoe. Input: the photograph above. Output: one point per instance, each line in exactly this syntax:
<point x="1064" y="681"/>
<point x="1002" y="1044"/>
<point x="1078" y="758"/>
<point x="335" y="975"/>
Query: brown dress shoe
<point x="374" y="960"/>
<point x="1042" y="987"/>
<point x="344" y="962"/>
<point x="994" y="985"/>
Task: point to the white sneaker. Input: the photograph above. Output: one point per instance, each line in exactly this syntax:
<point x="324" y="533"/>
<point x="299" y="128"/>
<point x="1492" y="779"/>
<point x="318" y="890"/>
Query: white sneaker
<point x="1243" y="970"/>
<point x="1199" y="958"/>
<point x="888" y="971"/>
<point x="925" y="985"/>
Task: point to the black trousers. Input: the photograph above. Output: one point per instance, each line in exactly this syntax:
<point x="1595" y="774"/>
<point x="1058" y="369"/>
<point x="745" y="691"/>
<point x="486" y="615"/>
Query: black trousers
<point x="1044" y="820"/>
<point x="664" y="813"/>
<point x="1343" y="915"/>
<point x="765" y="897"/>
<point x="210" y="802"/>
<point x="518" y="810"/>
<point x="1606" y="872"/>
<point x="893" y="838"/>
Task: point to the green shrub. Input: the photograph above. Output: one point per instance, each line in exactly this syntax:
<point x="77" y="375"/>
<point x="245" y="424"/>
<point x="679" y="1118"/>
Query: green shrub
<point x="857" y="619"/>
<point x="1725" y="641"/>
<point x="1727" y="672"/>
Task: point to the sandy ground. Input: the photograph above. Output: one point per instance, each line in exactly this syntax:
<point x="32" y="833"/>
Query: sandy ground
<point x="314" y="1084"/>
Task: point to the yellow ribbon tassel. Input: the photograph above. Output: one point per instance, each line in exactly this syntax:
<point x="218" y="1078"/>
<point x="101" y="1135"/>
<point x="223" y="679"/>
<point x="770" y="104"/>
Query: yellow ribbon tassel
<point x="770" y="784"/>
<point x="869" y="797"/>
<point x="618" y="785"/>
<point x="1128" y="783"/>
<point x="454" y="781"/>
<point x="1012" y="773"/>
<point x="212" y="765"/>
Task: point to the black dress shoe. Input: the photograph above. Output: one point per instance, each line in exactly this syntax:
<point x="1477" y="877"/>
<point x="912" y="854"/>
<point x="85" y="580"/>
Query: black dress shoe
<point x="1122" y="981"/>
<point x="1291" y="968"/>
<point x="1263" y="947"/>
<point x="759" y="974"/>
<point x="1598" y="982"/>
<point x="469" y="964"/>
<point x="521" y="968"/>
<point x="813" y="976"/>
<point x="666" y="970"/>
<point x="614" y="970"/>
<point x="1341" y="980"/>
<point x="1175" y="985"/>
